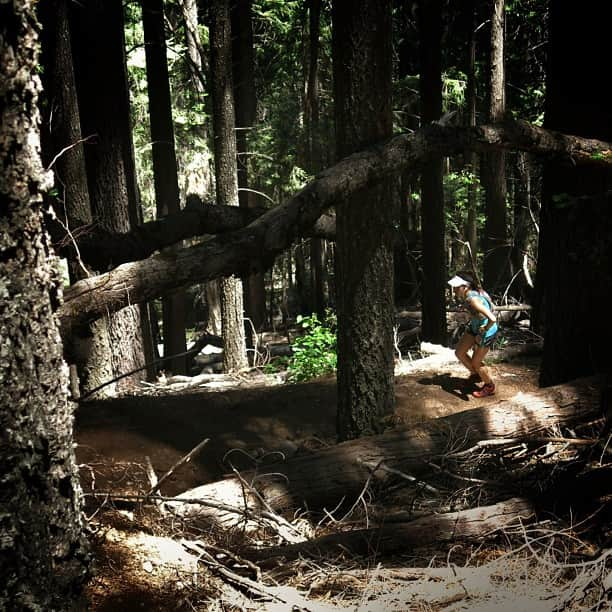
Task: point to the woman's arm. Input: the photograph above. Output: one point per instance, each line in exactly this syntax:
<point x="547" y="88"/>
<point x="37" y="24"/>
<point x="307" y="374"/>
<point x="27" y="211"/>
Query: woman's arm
<point x="481" y="309"/>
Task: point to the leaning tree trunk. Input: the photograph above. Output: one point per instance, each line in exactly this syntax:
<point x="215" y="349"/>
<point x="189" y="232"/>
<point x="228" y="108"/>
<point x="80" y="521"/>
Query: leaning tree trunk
<point x="232" y="316"/>
<point x="254" y="247"/>
<point x="165" y="169"/>
<point x="361" y="49"/>
<point x="42" y="549"/>
<point x="434" y="256"/>
<point x="337" y="474"/>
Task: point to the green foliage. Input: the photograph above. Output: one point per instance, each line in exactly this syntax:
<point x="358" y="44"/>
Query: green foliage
<point x="456" y="193"/>
<point x="454" y="84"/>
<point x="314" y="353"/>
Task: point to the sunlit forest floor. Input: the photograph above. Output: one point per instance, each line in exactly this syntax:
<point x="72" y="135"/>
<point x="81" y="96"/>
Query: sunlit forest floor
<point x="147" y="559"/>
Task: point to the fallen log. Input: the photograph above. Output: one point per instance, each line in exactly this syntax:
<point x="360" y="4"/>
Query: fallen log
<point x="466" y="525"/>
<point x="338" y="473"/>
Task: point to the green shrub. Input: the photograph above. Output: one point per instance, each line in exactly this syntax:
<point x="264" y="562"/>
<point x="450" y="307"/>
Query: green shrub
<point x="314" y="353"/>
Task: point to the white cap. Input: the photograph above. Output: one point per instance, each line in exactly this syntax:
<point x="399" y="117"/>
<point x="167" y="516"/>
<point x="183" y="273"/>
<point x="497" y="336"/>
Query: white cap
<point x="457" y="281"/>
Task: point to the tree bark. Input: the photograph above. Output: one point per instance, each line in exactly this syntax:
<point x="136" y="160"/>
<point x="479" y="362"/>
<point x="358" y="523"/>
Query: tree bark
<point x="43" y="557"/>
<point x="99" y="53"/>
<point x="255" y="246"/>
<point x="361" y="51"/>
<point x="574" y="259"/>
<point x="433" y="226"/>
<point x="232" y="315"/>
<point x="471" y="226"/>
<point x="165" y="171"/>
<point x="496" y="249"/>
<point x="245" y="99"/>
<point x="337" y="474"/>
<point x="62" y="150"/>
<point x="313" y="150"/>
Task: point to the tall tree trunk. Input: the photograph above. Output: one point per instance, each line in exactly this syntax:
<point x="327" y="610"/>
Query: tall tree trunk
<point x="574" y="275"/>
<point x="232" y="316"/>
<point x="43" y="559"/>
<point x="99" y="52"/>
<point x="313" y="149"/>
<point x="434" y="268"/>
<point x="198" y="69"/>
<point x="165" y="170"/>
<point x="245" y="98"/>
<point x="89" y="347"/>
<point x="471" y="157"/>
<point x="496" y="260"/>
<point x="361" y="49"/>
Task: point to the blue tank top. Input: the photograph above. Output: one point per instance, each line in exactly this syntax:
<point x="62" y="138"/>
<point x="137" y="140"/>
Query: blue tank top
<point x="477" y="320"/>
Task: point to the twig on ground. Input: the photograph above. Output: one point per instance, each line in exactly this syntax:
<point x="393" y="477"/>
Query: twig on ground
<point x="185" y="459"/>
<point x="382" y="466"/>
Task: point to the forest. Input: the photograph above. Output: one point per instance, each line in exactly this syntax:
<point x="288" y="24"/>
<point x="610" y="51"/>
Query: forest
<point x="301" y="305"/>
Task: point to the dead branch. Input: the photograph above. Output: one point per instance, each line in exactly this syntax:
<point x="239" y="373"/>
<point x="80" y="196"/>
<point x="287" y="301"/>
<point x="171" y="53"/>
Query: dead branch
<point x="194" y="452"/>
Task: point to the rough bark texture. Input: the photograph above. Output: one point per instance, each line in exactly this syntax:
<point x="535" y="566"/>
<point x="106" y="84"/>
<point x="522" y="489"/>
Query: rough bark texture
<point x="89" y="349"/>
<point x="574" y="264"/>
<point x="165" y="169"/>
<point x="97" y="28"/>
<point x="254" y="247"/>
<point x="232" y="309"/>
<point x="432" y="194"/>
<point x="337" y="474"/>
<point x="496" y="249"/>
<point x="42" y="553"/>
<point x="361" y="48"/>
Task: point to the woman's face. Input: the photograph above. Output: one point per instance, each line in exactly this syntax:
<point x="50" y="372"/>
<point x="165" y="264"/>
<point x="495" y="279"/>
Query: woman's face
<point x="460" y="291"/>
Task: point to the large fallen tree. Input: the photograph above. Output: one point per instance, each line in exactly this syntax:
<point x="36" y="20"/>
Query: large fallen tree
<point x="254" y="247"/>
<point x="338" y="474"/>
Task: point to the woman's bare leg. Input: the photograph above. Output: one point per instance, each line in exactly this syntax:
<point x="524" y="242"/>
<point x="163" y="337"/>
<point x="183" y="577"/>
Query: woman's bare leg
<point x="465" y="344"/>
<point x="480" y="352"/>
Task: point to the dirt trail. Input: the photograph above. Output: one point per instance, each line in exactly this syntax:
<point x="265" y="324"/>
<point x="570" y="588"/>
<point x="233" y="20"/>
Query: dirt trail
<point x="125" y="430"/>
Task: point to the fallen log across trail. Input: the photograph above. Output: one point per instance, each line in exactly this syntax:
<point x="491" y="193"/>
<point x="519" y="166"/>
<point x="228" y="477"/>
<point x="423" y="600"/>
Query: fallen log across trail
<point x="466" y="525"/>
<point x="337" y="474"/>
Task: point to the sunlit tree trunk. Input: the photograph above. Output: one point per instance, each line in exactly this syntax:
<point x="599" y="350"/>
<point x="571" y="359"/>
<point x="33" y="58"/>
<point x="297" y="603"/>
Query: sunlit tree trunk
<point x="232" y="310"/>
<point x="43" y="558"/>
<point x="361" y="48"/>
<point x="164" y="168"/>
